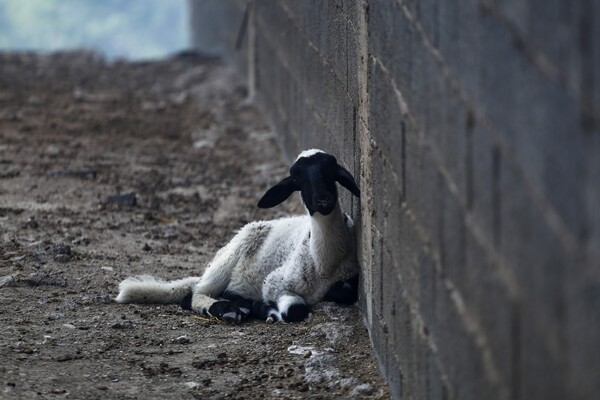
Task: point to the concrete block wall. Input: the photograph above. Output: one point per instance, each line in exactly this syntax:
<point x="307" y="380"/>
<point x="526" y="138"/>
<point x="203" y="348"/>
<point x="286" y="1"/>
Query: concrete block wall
<point x="473" y="128"/>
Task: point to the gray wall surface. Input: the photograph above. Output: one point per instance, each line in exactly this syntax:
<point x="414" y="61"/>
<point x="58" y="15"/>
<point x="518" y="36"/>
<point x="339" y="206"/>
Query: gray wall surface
<point x="474" y="129"/>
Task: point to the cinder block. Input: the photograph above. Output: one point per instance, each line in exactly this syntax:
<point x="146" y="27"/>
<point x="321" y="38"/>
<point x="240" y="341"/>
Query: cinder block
<point x="436" y="388"/>
<point x="427" y="209"/>
<point x="406" y="251"/>
<point x="482" y="184"/>
<point x="392" y="208"/>
<point x="413" y="160"/>
<point x="386" y="122"/>
<point x="392" y="289"/>
<point x="458" y="352"/>
<point x="540" y="267"/>
<point x="431" y="100"/>
<point x="379" y="338"/>
<point x="540" y="374"/>
<point x="391" y="40"/>
<point x="534" y="24"/>
<point x="403" y="342"/>
<point x="453" y="243"/>
<point x="332" y="31"/>
<point x="532" y="249"/>
<point x="496" y="313"/>
<point x="378" y="187"/>
<point x="213" y="34"/>
<point x="321" y="85"/>
<point x="380" y="276"/>
<point x="428" y="278"/>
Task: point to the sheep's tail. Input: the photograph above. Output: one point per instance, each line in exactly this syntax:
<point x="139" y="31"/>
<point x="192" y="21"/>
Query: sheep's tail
<point x="214" y="281"/>
<point x="150" y="290"/>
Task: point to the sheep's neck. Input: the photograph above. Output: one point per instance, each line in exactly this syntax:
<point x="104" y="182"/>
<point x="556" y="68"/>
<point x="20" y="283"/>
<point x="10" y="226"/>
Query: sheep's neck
<point x="328" y="240"/>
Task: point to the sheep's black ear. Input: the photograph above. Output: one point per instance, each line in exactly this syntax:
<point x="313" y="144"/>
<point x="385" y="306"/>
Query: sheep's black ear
<point x="346" y="180"/>
<point x="278" y="193"/>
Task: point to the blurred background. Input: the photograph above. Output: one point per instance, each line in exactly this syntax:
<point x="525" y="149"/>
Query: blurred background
<point x="133" y="29"/>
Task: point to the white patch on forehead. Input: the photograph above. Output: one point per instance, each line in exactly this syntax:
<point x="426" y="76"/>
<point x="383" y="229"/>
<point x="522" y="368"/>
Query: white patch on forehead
<point x="308" y="153"/>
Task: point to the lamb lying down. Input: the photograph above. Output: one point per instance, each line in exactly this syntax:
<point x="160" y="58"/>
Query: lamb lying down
<point x="274" y="270"/>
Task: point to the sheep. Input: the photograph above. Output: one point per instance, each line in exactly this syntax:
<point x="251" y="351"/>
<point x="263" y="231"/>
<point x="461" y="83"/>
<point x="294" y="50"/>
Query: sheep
<point x="274" y="270"/>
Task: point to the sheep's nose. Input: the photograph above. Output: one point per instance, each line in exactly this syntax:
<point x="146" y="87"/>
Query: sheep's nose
<point x="324" y="202"/>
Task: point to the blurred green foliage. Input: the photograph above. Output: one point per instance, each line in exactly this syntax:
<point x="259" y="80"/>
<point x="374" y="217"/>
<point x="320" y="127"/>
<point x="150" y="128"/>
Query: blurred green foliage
<point x="136" y="29"/>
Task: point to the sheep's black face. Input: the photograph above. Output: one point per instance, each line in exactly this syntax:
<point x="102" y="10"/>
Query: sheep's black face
<point x="314" y="174"/>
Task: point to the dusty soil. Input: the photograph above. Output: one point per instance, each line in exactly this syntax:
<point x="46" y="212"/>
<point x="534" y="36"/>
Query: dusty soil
<point x="113" y="169"/>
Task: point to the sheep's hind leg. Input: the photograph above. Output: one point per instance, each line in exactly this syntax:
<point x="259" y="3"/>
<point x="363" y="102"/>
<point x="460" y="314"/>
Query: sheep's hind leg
<point x="292" y="307"/>
<point x="223" y="309"/>
<point x="254" y="308"/>
<point x="244" y="304"/>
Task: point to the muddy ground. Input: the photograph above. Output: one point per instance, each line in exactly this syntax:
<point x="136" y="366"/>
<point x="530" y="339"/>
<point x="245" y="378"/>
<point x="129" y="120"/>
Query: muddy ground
<point x="114" y="169"/>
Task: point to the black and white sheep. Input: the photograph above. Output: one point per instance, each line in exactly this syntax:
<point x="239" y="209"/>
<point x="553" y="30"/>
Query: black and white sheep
<point x="274" y="270"/>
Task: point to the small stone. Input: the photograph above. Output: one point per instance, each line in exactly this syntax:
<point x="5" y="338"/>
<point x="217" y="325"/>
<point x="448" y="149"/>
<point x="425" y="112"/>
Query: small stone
<point x="52" y="150"/>
<point x="83" y="241"/>
<point x="183" y="339"/>
<point x="61" y="249"/>
<point x="307" y="354"/>
<point x="62" y="253"/>
<point x="192" y="385"/>
<point x="146" y="247"/>
<point x="362" y="390"/>
<point x="127" y="199"/>
<point x="8" y="280"/>
<point x="45" y="279"/>
<point x="55" y="315"/>
<point x="65" y="357"/>
<point x="303" y="388"/>
<point x="106" y="299"/>
<point x="69" y="326"/>
<point x="31" y="223"/>
<point x="62" y="258"/>
<point x="79" y="94"/>
<point x="124" y="324"/>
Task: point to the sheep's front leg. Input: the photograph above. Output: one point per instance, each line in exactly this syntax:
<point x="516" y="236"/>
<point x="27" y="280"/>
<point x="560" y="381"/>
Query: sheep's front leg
<point x="279" y="290"/>
<point x="343" y="292"/>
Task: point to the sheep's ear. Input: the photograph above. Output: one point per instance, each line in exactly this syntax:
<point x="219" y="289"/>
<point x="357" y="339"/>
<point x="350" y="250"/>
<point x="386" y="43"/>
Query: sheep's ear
<point x="346" y="180"/>
<point x="278" y="193"/>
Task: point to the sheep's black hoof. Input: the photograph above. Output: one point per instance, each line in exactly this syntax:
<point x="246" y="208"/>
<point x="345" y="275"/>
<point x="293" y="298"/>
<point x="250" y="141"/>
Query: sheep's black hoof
<point x="227" y="311"/>
<point x="265" y="312"/>
<point x="343" y="292"/>
<point x="296" y="312"/>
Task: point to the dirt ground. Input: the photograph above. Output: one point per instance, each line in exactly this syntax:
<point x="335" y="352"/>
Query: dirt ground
<point x="114" y="169"/>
